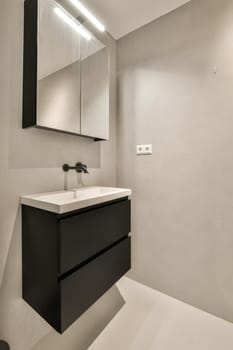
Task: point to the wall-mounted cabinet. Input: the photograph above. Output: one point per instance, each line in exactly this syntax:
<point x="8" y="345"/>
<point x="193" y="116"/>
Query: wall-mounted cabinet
<point x="66" y="71"/>
<point x="70" y="260"/>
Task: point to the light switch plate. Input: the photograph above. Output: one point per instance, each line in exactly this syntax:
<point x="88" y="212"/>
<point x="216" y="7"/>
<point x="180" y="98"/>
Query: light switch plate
<point x="143" y="150"/>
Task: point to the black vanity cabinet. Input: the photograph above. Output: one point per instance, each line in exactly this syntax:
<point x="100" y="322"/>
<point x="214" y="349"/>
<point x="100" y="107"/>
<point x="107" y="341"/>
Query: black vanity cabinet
<point x="70" y="260"/>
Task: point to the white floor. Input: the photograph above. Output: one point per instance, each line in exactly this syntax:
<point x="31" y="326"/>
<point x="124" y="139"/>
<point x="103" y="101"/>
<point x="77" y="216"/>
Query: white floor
<point x="153" y="321"/>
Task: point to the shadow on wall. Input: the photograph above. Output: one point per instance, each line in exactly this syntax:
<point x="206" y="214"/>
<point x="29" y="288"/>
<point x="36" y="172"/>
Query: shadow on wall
<point x="24" y="329"/>
<point x="36" y="148"/>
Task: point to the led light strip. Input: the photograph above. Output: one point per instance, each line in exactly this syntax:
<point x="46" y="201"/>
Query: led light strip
<point x="86" y="13"/>
<point x="69" y="20"/>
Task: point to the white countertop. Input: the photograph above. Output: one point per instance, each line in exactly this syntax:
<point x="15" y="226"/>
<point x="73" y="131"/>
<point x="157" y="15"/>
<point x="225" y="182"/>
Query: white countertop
<point x="64" y="201"/>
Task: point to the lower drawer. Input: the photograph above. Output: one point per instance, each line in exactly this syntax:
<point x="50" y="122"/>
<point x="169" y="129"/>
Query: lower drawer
<point x="81" y="289"/>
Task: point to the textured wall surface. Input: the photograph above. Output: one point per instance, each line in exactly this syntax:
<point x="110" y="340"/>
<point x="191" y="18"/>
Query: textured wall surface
<point x="30" y="162"/>
<point x="170" y="96"/>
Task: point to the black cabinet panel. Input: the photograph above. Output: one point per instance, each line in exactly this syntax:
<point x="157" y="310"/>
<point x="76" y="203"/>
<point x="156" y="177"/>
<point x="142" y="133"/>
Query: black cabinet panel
<point x="83" y="287"/>
<point x="92" y="247"/>
<point x="39" y="260"/>
<point x="30" y="63"/>
<point x="86" y="234"/>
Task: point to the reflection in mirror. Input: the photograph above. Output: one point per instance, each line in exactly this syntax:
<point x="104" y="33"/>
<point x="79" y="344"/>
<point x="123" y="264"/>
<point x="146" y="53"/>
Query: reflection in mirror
<point x="94" y="89"/>
<point x="58" y="101"/>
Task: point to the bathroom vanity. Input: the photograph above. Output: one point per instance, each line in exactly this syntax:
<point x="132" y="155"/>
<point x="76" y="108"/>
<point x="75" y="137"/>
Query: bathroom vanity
<point x="75" y="246"/>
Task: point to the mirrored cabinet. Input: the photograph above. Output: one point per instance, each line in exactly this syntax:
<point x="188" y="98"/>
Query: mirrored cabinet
<point x="66" y="71"/>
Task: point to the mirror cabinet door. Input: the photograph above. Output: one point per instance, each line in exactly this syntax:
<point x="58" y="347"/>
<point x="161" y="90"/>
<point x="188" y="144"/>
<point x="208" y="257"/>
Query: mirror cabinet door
<point x="94" y="89"/>
<point x="58" y="74"/>
<point x="66" y="71"/>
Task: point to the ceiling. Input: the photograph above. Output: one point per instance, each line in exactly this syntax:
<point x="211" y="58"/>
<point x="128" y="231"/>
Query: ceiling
<point x="124" y="16"/>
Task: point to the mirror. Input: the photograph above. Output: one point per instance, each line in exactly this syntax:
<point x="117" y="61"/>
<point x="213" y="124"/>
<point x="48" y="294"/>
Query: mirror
<point x="71" y="69"/>
<point x="94" y="89"/>
<point x="58" y="79"/>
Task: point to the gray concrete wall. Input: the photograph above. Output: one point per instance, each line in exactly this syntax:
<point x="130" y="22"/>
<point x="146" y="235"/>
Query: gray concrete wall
<point x="169" y="96"/>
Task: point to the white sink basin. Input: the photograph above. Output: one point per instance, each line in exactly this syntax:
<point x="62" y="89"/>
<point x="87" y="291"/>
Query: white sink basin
<point x="64" y="201"/>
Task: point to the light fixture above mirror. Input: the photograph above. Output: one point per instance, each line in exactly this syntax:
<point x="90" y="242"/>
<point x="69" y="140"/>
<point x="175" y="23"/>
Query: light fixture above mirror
<point x="72" y="22"/>
<point x="88" y="15"/>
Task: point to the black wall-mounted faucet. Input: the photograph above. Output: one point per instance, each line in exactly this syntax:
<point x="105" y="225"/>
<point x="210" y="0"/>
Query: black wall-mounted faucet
<point x="79" y="168"/>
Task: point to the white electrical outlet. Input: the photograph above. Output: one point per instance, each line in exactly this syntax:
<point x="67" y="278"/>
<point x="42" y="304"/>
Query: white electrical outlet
<point x="143" y="150"/>
<point x="139" y="149"/>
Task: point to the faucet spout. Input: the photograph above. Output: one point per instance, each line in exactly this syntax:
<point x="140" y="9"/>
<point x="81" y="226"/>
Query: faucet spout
<point x="79" y="168"/>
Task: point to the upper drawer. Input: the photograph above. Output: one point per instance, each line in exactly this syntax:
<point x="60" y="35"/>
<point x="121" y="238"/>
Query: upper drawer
<point x="88" y="233"/>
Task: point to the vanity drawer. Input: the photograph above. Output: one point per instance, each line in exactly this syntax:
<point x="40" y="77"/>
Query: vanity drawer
<point x="88" y="233"/>
<point x="82" y="288"/>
